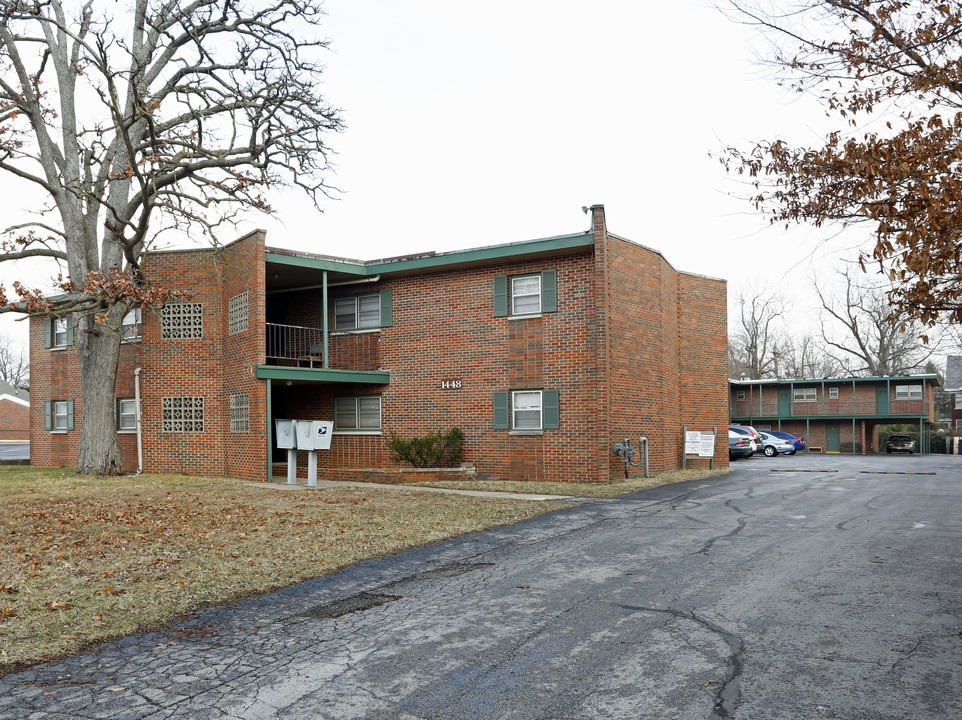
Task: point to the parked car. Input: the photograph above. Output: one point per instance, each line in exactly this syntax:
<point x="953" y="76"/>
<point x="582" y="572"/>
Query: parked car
<point x="738" y="446"/>
<point x="774" y="445"/>
<point x="751" y="433"/>
<point x="798" y="442"/>
<point x="900" y="443"/>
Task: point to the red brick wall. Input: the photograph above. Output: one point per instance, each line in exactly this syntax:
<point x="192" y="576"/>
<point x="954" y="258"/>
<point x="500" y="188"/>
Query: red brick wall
<point x="14" y="421"/>
<point x="667" y="355"/>
<point x="444" y="329"/>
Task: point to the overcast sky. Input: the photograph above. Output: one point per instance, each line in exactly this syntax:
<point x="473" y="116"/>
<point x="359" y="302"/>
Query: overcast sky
<point x="474" y="124"/>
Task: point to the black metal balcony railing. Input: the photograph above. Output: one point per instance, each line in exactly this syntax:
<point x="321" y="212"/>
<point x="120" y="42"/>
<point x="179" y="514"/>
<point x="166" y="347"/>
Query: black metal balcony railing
<point x="305" y="347"/>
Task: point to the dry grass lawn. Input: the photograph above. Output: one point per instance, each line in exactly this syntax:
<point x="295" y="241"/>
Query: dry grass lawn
<point x="85" y="559"/>
<point x="616" y="488"/>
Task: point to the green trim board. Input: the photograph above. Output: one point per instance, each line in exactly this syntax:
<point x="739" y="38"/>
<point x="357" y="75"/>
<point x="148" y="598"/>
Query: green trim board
<point x="425" y="262"/>
<point x="833" y="381"/>
<point x="279" y="372"/>
<point x="792" y="418"/>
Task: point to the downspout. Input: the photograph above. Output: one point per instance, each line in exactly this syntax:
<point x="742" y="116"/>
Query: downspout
<point x="140" y="435"/>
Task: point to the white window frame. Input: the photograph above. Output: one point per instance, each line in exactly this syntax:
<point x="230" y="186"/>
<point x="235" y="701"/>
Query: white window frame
<point x="515" y="281"/>
<point x="130" y="325"/>
<point x="341" y="415"/>
<point x="958" y="400"/>
<point x="806" y="394"/>
<point x="59" y="416"/>
<point x="739" y="395"/>
<point x="908" y="392"/>
<point x="59" y="332"/>
<point x="523" y="398"/>
<point x="833" y="393"/>
<point x="130" y="414"/>
<point x="357" y="321"/>
<point x="958" y="424"/>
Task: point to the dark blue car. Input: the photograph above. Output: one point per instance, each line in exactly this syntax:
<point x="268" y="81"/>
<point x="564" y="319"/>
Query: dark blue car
<point x="798" y="442"/>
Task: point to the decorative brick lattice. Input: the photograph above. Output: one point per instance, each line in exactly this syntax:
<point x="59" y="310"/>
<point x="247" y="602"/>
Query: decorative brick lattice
<point x="183" y="414"/>
<point x="239" y="413"/>
<point x="237" y="314"/>
<point x="182" y="321"/>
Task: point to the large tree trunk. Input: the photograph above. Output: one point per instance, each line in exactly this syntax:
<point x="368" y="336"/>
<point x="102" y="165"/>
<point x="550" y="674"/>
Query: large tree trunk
<point x="98" y="349"/>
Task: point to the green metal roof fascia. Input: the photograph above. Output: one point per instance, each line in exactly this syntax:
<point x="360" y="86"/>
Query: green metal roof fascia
<point x="494" y="252"/>
<point x="317" y="263"/>
<point x="812" y="381"/>
<point x="769" y="418"/>
<point x="277" y="372"/>
<point x="456" y="257"/>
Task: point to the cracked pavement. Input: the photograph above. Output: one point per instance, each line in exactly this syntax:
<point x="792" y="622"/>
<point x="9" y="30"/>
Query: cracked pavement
<point x="757" y="596"/>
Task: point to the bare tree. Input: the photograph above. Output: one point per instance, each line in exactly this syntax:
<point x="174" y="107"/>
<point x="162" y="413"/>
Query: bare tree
<point x="175" y="116"/>
<point x="804" y="356"/>
<point x="14" y="363"/>
<point x="753" y="342"/>
<point x="866" y="335"/>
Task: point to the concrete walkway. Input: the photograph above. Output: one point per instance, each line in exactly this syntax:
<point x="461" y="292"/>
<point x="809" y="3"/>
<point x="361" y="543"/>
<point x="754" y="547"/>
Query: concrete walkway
<point x="281" y="484"/>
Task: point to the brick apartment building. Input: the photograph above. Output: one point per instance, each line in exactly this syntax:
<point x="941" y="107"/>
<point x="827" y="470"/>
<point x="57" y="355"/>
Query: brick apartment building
<point x="543" y="352"/>
<point x="953" y="387"/>
<point x="836" y="414"/>
<point x="14" y="414"/>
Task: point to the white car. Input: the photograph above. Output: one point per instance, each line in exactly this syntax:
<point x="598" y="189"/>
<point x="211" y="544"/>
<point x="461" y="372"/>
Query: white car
<point x="774" y="445"/>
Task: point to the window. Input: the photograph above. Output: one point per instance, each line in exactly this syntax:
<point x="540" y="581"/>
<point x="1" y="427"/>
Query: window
<point x="527" y="410"/>
<point x="958" y="424"/>
<point x="130" y="327"/>
<point x="958" y="401"/>
<point x="908" y="392"/>
<point x="182" y="321"/>
<point x="528" y="294"/>
<point x="364" y="312"/>
<point x="805" y="394"/>
<point x="360" y="413"/>
<point x="58" y="415"/>
<point x="739" y="394"/>
<point x="239" y="413"/>
<point x="58" y="332"/>
<point x="126" y="414"/>
<point x="182" y="414"/>
<point x="237" y="314"/>
<point x="833" y="393"/>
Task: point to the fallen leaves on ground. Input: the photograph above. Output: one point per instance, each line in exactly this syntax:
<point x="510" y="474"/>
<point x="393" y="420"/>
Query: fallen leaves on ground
<point x="83" y="559"/>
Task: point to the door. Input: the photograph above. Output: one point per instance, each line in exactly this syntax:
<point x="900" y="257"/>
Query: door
<point x="832" y="435"/>
<point x="784" y="402"/>
<point x="881" y="400"/>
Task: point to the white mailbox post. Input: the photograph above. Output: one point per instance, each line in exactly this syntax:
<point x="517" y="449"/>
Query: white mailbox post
<point x="286" y="440"/>
<point x="313" y="435"/>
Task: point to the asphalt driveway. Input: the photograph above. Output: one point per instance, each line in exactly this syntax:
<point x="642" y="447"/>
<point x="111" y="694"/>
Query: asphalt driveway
<point x="829" y="588"/>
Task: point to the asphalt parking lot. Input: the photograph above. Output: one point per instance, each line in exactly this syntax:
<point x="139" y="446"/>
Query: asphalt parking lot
<point x="819" y="587"/>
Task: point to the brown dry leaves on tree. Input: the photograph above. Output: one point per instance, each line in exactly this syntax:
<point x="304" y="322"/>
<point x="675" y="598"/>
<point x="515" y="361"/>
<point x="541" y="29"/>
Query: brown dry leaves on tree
<point x="896" y="65"/>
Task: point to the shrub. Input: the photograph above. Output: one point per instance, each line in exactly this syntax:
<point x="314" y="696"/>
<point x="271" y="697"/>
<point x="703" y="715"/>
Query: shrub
<point x="437" y="450"/>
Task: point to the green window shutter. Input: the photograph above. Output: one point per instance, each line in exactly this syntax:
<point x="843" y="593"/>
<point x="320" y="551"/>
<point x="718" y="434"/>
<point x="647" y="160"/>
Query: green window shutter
<point x="48" y="333"/>
<point x="70" y="414"/>
<point x="71" y="323"/>
<point x="500" y="295"/>
<point x="387" y="307"/>
<point x="501" y="410"/>
<point x="550" y="410"/>
<point x="48" y="415"/>
<point x="549" y="290"/>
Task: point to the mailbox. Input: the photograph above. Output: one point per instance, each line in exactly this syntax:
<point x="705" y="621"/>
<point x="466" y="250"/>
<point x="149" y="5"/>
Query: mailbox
<point x="314" y="434"/>
<point x="285" y="434"/>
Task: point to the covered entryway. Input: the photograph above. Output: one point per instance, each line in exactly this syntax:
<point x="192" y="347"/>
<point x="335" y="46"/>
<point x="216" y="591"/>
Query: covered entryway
<point x="833" y="438"/>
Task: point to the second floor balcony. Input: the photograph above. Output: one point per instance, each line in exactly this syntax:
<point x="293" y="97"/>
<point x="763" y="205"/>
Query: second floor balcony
<point x="298" y="346"/>
<point x="770" y="406"/>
